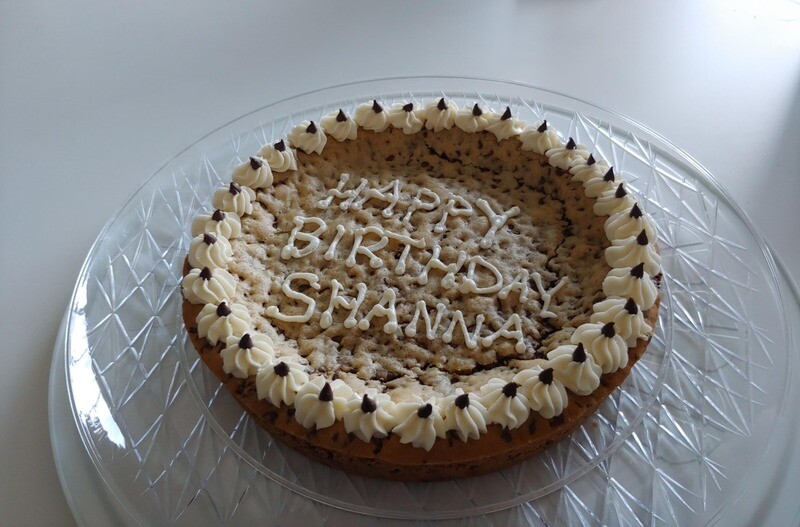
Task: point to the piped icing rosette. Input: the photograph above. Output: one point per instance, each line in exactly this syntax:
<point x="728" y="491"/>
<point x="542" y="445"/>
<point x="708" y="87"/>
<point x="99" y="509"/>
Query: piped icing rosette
<point x="339" y="126"/>
<point x="613" y="200"/>
<point x="407" y="117"/>
<point x="369" y="415"/>
<point x="308" y="137"/>
<point x="218" y="322"/>
<point x="631" y="282"/>
<point x="589" y="171"/>
<point x="505" y="404"/>
<point x="595" y="186"/>
<point x="628" y="319"/>
<point x="210" y="250"/>
<point x="539" y="139"/>
<point x="244" y="356"/>
<point x="236" y="199"/>
<point x="631" y="251"/>
<point x="505" y="125"/>
<point x="472" y="119"/>
<point x="320" y="403"/>
<point x="372" y="117"/>
<point x="601" y="341"/>
<point x="567" y="156"/>
<point x="279" y="157"/>
<point x="253" y="173"/>
<point x="278" y="380"/>
<point x="575" y="369"/>
<point x="545" y="393"/>
<point x="419" y="423"/>
<point x="465" y="414"/>
<point x="225" y="224"/>
<point x="208" y="286"/>
<point x="440" y="114"/>
<point x="630" y="222"/>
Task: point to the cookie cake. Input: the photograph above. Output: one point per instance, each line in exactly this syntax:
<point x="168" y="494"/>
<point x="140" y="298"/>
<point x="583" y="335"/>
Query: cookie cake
<point x="420" y="292"/>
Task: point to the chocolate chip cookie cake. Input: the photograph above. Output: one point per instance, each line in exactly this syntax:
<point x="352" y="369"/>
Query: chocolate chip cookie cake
<point x="420" y="292"/>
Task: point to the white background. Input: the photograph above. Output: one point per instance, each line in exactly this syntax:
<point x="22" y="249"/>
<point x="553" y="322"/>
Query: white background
<point x="95" y="96"/>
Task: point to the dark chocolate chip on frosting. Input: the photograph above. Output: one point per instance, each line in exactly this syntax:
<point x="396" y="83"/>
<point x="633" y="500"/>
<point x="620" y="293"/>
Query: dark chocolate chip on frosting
<point x="579" y="354"/>
<point x="425" y="411"/>
<point x="546" y="376"/>
<point x="642" y="238"/>
<point x="408" y="107"/>
<point x="255" y="163"/>
<point x="621" y="192"/>
<point x="341" y="117"/>
<point x="462" y="401"/>
<point x="609" y="176"/>
<point x="476" y="110"/>
<point x="377" y="108"/>
<point x="246" y="342"/>
<point x="591" y="160"/>
<point x="205" y="274"/>
<point x="281" y="369"/>
<point x="234" y="188"/>
<point x="209" y="238"/>
<point x="311" y="128"/>
<point x="280" y="146"/>
<point x="571" y="144"/>
<point x="218" y="215"/>
<point x="368" y="405"/>
<point x="326" y="393"/>
<point x="223" y="310"/>
<point x="608" y="330"/>
<point x="638" y="271"/>
<point x="506" y="115"/>
<point x="510" y="389"/>
<point x="442" y="105"/>
<point x="631" y="307"/>
<point x="542" y="127"/>
<point x="636" y="212"/>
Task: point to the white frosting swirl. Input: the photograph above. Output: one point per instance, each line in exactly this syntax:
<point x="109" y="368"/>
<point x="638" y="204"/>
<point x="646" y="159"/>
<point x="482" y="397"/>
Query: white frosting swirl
<point x="339" y="126"/>
<point x="628" y="319"/>
<point x="366" y="424"/>
<point x="279" y="380"/>
<point x="548" y="399"/>
<point x="588" y="172"/>
<point x="253" y="173"/>
<point x="468" y="422"/>
<point x="620" y="282"/>
<point x="210" y="250"/>
<point x="311" y="404"/>
<point x="235" y="198"/>
<point x="623" y="224"/>
<point x="504" y="406"/>
<point x="308" y="137"/>
<point x="243" y="362"/>
<point x="419" y="424"/>
<point x="369" y="119"/>
<point x="467" y="120"/>
<point x="225" y="224"/>
<point x="565" y="157"/>
<point x="634" y="250"/>
<point x="580" y="377"/>
<point x="216" y="326"/>
<point x="505" y="126"/>
<point x="279" y="156"/>
<point x="609" y="352"/>
<point x="208" y="287"/>
<point x="440" y="114"/>
<point x="407" y="117"/>
<point x="539" y="141"/>
<point x="613" y="200"/>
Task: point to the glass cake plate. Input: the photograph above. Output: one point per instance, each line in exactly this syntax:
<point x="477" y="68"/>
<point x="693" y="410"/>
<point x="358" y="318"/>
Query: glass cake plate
<point x="674" y="445"/>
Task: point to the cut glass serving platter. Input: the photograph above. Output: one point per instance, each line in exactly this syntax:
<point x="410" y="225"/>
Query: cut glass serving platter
<point x="673" y="446"/>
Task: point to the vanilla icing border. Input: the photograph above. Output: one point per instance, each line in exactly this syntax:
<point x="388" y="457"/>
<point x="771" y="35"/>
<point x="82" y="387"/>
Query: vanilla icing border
<point x="595" y="346"/>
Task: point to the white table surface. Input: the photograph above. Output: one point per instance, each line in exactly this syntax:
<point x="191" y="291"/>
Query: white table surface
<point x="95" y="96"/>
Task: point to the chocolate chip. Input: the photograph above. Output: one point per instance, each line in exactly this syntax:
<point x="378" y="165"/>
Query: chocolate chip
<point x="209" y="238"/>
<point x="542" y="127"/>
<point x="476" y="110"/>
<point x="280" y="146"/>
<point x="245" y="342"/>
<point x="506" y="115"/>
<point x="234" y="188"/>
<point x="609" y="175"/>
<point x="557" y="421"/>
<point x="376" y="107"/>
<point x="571" y="144"/>
<point x="591" y="160"/>
<point x="532" y="426"/>
<point x="631" y="307"/>
<point x="223" y="310"/>
<point x="608" y="330"/>
<point x="368" y="405"/>
<point x="642" y="238"/>
<point x="462" y="401"/>
<point x="408" y="107"/>
<point x="326" y="393"/>
<point x="218" y="215"/>
<point x="378" y="445"/>
<point x="341" y="117"/>
<point x="311" y="128"/>
<point x="255" y="163"/>
<point x="546" y="376"/>
<point x="638" y="271"/>
<point x="205" y="274"/>
<point x="510" y="389"/>
<point x="621" y="192"/>
<point x="636" y="212"/>
<point x="425" y="411"/>
<point x="442" y="105"/>
<point x="505" y="434"/>
<point x="579" y="355"/>
<point x="281" y="369"/>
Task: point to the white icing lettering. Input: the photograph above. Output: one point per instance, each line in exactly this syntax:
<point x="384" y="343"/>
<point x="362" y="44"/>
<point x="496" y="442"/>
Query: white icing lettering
<point x="504" y="332"/>
<point x="418" y="204"/>
<point x="313" y="280"/>
<point x="331" y="252"/>
<point x="367" y="250"/>
<point x="311" y="238"/>
<point x="471" y="341"/>
<point x="338" y="301"/>
<point x="464" y="209"/>
<point x="384" y="308"/>
<point x="470" y="286"/>
<point x="495" y="220"/>
<point x="383" y="195"/>
<point x="547" y="296"/>
<point x="430" y="329"/>
<point x="435" y="263"/>
<point x="408" y="242"/>
<point x="520" y="282"/>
